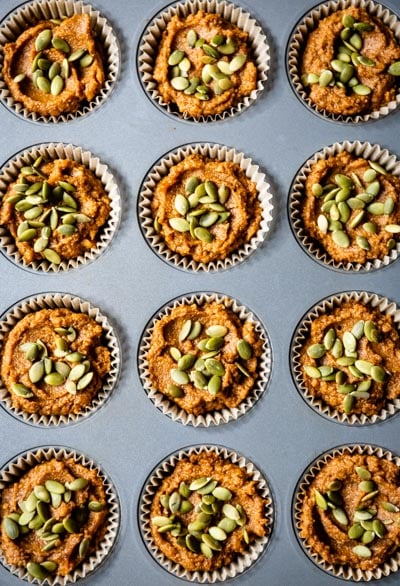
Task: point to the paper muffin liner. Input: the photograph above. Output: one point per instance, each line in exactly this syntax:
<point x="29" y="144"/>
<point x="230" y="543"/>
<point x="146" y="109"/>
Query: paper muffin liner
<point x="151" y="38"/>
<point x="327" y="305"/>
<point x="31" y="13"/>
<point x="9" y="173"/>
<point x="340" y="571"/>
<point x="54" y="301"/>
<point x="298" y="39"/>
<point x="370" y="152"/>
<point x="153" y="483"/>
<point x="20" y="465"/>
<point x="219" y="153"/>
<point x="213" y="417"/>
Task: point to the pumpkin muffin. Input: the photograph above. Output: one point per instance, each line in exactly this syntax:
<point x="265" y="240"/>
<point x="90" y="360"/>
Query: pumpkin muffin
<point x="204" y="64"/>
<point x="351" y="208"/>
<point x="350" y="359"/>
<point x="203" y="358"/>
<point x="55" y="66"/>
<point x="348" y="513"/>
<point x="54" y="362"/>
<point x="350" y="63"/>
<point x="205" y="209"/>
<point x="55" y="210"/>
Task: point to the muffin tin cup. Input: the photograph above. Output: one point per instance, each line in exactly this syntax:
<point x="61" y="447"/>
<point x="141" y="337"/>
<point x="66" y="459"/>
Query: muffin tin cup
<point x="297" y="42"/>
<point x="371" y="152"/>
<point x="20" y="465"/>
<point x="9" y="173"/>
<point x="55" y="301"/>
<point x="225" y="415"/>
<point x="153" y="483"/>
<point x="385" y="306"/>
<point x="151" y="38"/>
<point x="31" y="13"/>
<point x="340" y="571"/>
<point x="219" y="153"/>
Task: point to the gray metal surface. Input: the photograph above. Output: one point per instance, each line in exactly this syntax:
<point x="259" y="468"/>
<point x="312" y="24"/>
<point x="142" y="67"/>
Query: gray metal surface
<point x="129" y="436"/>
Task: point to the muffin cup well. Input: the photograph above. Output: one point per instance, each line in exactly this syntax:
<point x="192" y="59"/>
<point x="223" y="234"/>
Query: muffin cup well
<point x="169" y="408"/>
<point x="340" y="571"/>
<point x="219" y="153"/>
<point x="54" y="301"/>
<point x="371" y="152"/>
<point x="31" y="13"/>
<point x="297" y="42"/>
<point x="10" y="172"/>
<point x="153" y="483"/>
<point x="18" y="466"/>
<point x="301" y="333"/>
<point x="151" y="37"/>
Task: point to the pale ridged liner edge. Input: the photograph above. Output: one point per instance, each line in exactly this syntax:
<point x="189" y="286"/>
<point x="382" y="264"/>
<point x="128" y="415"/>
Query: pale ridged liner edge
<point x="214" y="417"/>
<point x="302" y="331"/>
<point x="236" y="15"/>
<point x="244" y="561"/>
<point x="296" y="44"/>
<point x="24" y="462"/>
<point x="343" y="572"/>
<point x="220" y="153"/>
<point x="53" y="301"/>
<point x="10" y="172"/>
<point x="29" y="14"/>
<point x="372" y="152"/>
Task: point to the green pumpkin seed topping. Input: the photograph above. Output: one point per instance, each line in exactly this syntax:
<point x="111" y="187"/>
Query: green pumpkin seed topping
<point x="40" y="517"/>
<point x="337" y="361"/>
<point x="348" y="61"/>
<point x="71" y="370"/>
<point x="222" y="64"/>
<point x="197" y="358"/>
<point x="201" y="516"/>
<point x="46" y="213"/>
<point x="346" y="207"/>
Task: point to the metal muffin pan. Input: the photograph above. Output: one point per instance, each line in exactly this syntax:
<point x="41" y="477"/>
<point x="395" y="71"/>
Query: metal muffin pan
<point x="129" y="436"/>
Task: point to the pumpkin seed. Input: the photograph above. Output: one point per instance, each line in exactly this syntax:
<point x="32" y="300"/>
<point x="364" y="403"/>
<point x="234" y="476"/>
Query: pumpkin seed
<point x="362" y="551"/>
<point x="186" y="361"/>
<point x="341" y="238"/>
<point x="11" y="528"/>
<point x="355" y="531"/>
<point x="54" y="486"/>
<point x="56" y="500"/>
<point x="199" y="482"/>
<point x="378" y="374"/>
<point x="390" y="508"/>
<point x="367" y="485"/>
<point x="198" y="379"/>
<point x="185" y="330"/>
<point x="86" y="60"/>
<point x="349" y="341"/>
<point x="77" y="484"/>
<point x="85" y="381"/>
<point x="27" y="235"/>
<point x="76" y="55"/>
<point x="26" y="518"/>
<point x="340" y="516"/>
<point x="312" y="371"/>
<point x="36" y="570"/>
<point x="363" y="473"/>
<point x="52" y="256"/>
<point x="57" y="85"/>
<point x="320" y="500"/>
<point x="368" y="537"/>
<point x="191" y="38"/>
<point x="363" y="243"/>
<point x="186" y="507"/>
<point x="325" y="78"/>
<point x="370" y="495"/>
<point x="244" y="349"/>
<point x="361" y="90"/>
<point x="214" y="384"/>
<point x="316" y="351"/>
<point x="54" y="379"/>
<point x="393" y="228"/>
<point x="203" y="234"/>
<point x="21" y="390"/>
<point x="71" y="526"/>
<point x="60" y="45"/>
<point x="394" y="68"/>
<point x="43" y="511"/>
<point x="179" y="224"/>
<point x="77" y="372"/>
<point x="348" y="403"/>
<point x="388" y="206"/>
<point x="175" y="391"/>
<point x="179" y="377"/>
<point x="371" y="331"/>
<point x="363" y="366"/>
<point x="36" y="371"/>
<point x="379" y="528"/>
<point x="345" y="389"/>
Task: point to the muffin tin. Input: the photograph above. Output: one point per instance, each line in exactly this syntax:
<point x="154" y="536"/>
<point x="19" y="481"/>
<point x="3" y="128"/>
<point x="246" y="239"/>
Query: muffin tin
<point x="129" y="436"/>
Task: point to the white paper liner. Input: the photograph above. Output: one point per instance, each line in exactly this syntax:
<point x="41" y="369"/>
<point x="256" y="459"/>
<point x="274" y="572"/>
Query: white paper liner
<point x="244" y="561"/>
<point x="213" y="417"/>
<point x="219" y="153"/>
<point x="53" y="301"/>
<point x="302" y="331"/>
<point x="10" y="172"/>
<point x="21" y="464"/>
<point x="343" y="572"/>
<point x="296" y="45"/>
<point x="31" y="13"/>
<point x="151" y="37"/>
<point x="371" y="152"/>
